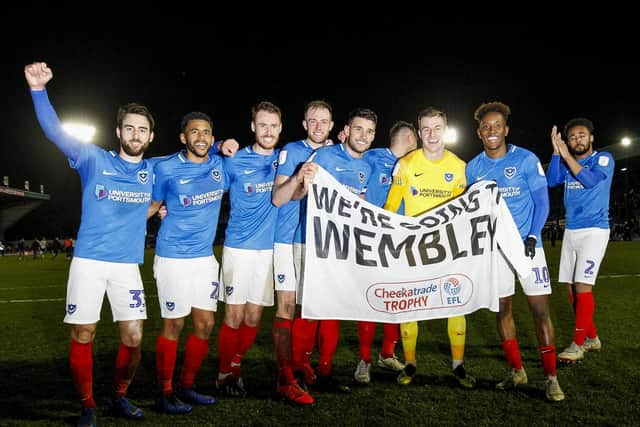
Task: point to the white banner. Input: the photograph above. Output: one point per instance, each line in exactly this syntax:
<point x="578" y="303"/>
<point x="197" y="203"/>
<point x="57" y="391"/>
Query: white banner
<point x="365" y="263"/>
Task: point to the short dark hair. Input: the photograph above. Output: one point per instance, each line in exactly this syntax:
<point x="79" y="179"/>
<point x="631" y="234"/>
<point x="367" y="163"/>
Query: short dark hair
<point x="363" y="113"/>
<point x="134" y="108"/>
<point x="267" y="106"/>
<point x="432" y="112"/>
<point x="194" y="115"/>
<point x="398" y="126"/>
<point x="579" y="121"/>
<point x="492" y="107"/>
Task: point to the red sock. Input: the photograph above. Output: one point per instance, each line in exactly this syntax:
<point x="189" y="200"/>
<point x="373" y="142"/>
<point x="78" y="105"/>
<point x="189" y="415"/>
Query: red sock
<point x="584" y="316"/>
<point x="512" y="353"/>
<point x="548" y="355"/>
<point x="166" y="350"/>
<point x="303" y="337"/>
<point x="81" y="362"/>
<point x="227" y="345"/>
<point x="391" y="337"/>
<point x="195" y="351"/>
<point x="366" y="333"/>
<point x="328" y="333"/>
<point x="246" y="337"/>
<point x="127" y="363"/>
<point x="591" y="330"/>
<point x="282" y="347"/>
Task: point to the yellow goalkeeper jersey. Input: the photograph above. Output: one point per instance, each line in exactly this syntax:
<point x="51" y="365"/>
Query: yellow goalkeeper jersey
<point x="422" y="183"/>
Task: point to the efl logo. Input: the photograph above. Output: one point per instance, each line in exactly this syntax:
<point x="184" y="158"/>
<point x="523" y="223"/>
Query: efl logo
<point x="100" y="192"/>
<point x="510" y="172"/>
<point x="452" y="286"/>
<point x="185" y="200"/>
<point x="143" y="177"/>
<point x="215" y="174"/>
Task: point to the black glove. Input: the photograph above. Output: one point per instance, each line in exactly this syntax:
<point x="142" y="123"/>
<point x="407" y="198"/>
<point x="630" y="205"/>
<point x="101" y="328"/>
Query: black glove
<point x="530" y="247"/>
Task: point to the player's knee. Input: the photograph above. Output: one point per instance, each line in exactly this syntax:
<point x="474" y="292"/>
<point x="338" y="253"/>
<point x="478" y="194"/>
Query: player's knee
<point x="83" y="333"/>
<point x="202" y="328"/>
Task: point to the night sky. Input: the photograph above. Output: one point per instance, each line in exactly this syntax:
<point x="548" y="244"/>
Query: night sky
<point x="548" y="67"/>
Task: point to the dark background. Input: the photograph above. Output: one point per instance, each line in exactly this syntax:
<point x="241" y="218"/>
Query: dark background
<point x="548" y="65"/>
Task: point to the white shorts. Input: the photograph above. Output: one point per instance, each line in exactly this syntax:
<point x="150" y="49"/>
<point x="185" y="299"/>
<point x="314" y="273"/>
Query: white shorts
<point x="88" y="281"/>
<point x="186" y="283"/>
<point x="581" y="255"/>
<point x="537" y="283"/>
<point x="247" y="276"/>
<point x="287" y="266"/>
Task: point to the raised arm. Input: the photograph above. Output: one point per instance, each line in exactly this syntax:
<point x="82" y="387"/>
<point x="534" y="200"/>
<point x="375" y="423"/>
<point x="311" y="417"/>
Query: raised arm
<point x="38" y="75"/>
<point x="587" y="177"/>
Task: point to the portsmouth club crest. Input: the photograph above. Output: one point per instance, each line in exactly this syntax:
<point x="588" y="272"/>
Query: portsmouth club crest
<point x="448" y="176"/>
<point x="361" y="177"/>
<point x="143" y="176"/>
<point x="100" y="192"/>
<point x="215" y="174"/>
<point x="71" y="308"/>
<point x="171" y="305"/>
<point x="510" y="171"/>
<point x="281" y="278"/>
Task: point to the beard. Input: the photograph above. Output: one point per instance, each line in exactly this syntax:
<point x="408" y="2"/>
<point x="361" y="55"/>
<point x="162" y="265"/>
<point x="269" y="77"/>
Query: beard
<point x="130" y="150"/>
<point x="579" y="149"/>
<point x="194" y="151"/>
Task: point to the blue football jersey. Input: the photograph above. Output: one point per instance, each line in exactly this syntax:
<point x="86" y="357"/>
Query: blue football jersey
<point x="291" y="156"/>
<point x="351" y="172"/>
<point x="115" y="193"/>
<point x="587" y="207"/>
<point x="382" y="161"/>
<point x="252" y="219"/>
<point x="193" y="195"/>
<point x="518" y="173"/>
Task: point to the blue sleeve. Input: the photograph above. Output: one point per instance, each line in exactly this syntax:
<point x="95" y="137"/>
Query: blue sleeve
<point x="215" y="147"/>
<point x="158" y="193"/>
<point x="590" y="177"/>
<point x="540" y="210"/>
<point x="556" y="171"/>
<point x="51" y="126"/>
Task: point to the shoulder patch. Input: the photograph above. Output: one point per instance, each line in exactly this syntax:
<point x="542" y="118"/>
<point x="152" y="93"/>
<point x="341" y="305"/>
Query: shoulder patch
<point x="603" y="161"/>
<point x="540" y="169"/>
<point x="282" y="158"/>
